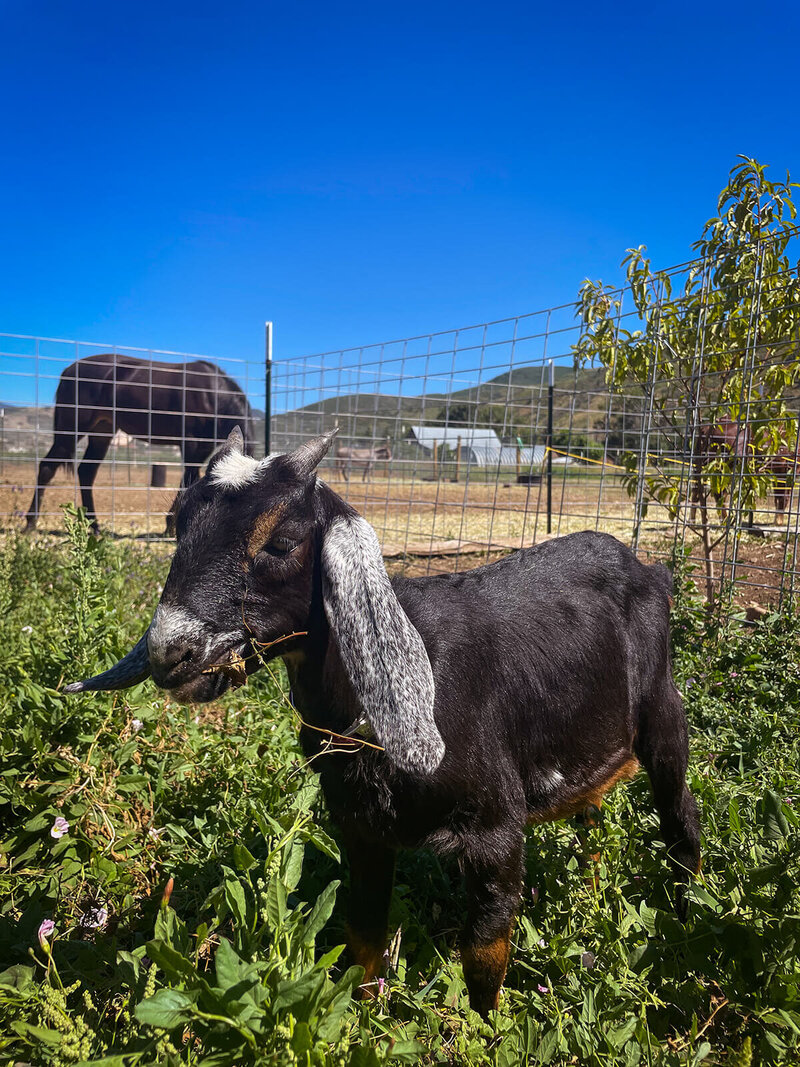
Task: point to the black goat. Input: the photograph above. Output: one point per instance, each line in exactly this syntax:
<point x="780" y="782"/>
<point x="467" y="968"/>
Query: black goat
<point x="519" y="692"/>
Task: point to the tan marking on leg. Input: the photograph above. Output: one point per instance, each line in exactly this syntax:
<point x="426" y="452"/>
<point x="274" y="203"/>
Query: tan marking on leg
<point x="368" y="955"/>
<point x="487" y="964"/>
<point x="262" y="529"/>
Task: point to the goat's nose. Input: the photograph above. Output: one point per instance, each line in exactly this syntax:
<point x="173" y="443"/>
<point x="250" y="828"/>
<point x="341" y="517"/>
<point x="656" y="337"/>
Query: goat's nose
<point x="174" y="654"/>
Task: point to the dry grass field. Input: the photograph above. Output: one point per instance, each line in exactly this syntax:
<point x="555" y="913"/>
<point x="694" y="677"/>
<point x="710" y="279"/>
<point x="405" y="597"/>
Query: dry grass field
<point x="411" y="512"/>
<point x="425" y="526"/>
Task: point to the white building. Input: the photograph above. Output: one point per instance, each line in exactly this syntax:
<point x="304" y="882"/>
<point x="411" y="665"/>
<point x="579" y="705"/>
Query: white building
<point x="480" y="447"/>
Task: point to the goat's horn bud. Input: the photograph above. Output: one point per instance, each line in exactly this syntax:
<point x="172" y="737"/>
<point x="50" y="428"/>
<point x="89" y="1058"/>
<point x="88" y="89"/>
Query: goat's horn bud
<point x="235" y="440"/>
<point x="308" y="456"/>
<point x="135" y="667"/>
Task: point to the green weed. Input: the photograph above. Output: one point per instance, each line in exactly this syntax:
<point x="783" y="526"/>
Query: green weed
<point x="194" y="890"/>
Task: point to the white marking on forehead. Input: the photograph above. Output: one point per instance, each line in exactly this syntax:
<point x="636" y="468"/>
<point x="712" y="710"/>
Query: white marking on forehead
<point x="171" y="624"/>
<point x="236" y="470"/>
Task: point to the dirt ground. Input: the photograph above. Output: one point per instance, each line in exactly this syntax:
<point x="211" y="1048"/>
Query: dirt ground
<point x="428" y="526"/>
<point x="408" y="512"/>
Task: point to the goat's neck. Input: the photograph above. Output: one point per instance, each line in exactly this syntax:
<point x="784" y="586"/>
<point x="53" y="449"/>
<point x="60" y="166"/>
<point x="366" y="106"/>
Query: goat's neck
<point x="320" y="689"/>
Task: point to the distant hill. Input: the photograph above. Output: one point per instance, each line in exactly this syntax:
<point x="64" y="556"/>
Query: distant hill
<point x="513" y="403"/>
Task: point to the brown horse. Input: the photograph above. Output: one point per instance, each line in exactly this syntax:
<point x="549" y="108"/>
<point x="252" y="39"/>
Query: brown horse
<point x="733" y="440"/>
<point x="782" y="466"/>
<point x="191" y="405"/>
<point x="725" y="437"/>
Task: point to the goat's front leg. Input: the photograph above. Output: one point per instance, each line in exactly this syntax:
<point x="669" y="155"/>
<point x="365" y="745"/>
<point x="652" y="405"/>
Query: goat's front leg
<point x="494" y="881"/>
<point x="371" y="882"/>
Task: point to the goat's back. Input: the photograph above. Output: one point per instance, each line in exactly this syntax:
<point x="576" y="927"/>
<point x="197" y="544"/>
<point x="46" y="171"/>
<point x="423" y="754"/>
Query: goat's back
<point x="546" y="659"/>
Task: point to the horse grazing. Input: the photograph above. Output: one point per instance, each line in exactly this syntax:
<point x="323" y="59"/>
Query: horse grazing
<point x="191" y="405"/>
<point x="362" y="459"/>
<point x="734" y="441"/>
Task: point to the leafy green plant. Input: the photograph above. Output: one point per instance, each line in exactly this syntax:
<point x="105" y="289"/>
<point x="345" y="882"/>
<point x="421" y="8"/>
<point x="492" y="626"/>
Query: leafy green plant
<point x="721" y="349"/>
<point x="194" y="892"/>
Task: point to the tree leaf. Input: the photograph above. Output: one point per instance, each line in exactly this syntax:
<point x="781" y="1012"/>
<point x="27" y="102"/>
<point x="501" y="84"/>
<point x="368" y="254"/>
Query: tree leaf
<point x="166" y="1009"/>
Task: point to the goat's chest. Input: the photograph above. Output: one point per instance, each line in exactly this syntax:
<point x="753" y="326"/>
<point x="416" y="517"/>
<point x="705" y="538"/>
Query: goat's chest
<point x="369" y="797"/>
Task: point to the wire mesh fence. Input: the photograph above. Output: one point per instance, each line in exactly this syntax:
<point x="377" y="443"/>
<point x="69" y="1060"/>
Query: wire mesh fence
<point x="667" y="420"/>
<point x="465" y="444"/>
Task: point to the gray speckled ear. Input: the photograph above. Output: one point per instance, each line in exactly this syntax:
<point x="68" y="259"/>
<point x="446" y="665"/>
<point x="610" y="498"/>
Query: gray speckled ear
<point x="383" y="654"/>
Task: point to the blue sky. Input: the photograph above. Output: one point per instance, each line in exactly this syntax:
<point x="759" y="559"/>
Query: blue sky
<point x="174" y="174"/>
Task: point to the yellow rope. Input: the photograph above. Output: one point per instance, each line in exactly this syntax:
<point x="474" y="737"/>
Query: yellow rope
<point x="583" y="459"/>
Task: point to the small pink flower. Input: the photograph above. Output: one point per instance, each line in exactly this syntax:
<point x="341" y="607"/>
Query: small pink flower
<point x="136" y="725"/>
<point x="535" y="894"/>
<point x="59" y="827"/>
<point x="45" y="930"/>
<point x="543" y="989"/>
<point x="94" y="918"/>
<point x="381" y="984"/>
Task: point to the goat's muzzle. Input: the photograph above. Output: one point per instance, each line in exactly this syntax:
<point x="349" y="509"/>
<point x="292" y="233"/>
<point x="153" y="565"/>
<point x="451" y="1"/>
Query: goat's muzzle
<point x="133" y="668"/>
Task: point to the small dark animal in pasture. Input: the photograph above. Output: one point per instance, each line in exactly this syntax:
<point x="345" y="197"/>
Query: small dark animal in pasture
<point x="192" y="405"/>
<point x="782" y="465"/>
<point x="726" y="438"/>
<point x="516" y="693"/>
<point x="348" y="459"/>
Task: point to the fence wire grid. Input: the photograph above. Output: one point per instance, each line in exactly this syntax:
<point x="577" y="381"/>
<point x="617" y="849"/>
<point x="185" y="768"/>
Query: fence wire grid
<point x="458" y="446"/>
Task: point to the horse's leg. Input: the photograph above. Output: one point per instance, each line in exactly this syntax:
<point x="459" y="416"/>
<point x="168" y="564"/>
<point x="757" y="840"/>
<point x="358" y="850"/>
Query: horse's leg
<point x="367" y="466"/>
<point x="782" y="496"/>
<point x="87" y="472"/>
<point x="194" y="455"/>
<point x="61" y="451"/>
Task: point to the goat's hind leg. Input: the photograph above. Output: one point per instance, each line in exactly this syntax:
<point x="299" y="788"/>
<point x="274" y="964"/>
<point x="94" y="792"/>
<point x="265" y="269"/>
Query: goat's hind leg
<point x="662" y="746"/>
<point x="494" y="881"/>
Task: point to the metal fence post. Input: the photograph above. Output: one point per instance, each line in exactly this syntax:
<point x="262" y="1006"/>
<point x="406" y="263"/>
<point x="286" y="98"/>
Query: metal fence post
<point x="268" y="388"/>
<point x="550" y="447"/>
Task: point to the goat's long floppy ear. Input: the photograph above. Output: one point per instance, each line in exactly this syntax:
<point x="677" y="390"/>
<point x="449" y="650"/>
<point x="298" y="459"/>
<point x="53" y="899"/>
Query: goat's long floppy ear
<point x="305" y="459"/>
<point x="382" y="653"/>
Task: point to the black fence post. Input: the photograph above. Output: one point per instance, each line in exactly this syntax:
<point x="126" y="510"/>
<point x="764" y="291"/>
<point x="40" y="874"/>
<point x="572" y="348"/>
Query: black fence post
<point x="268" y="389"/>
<point x="550" y="450"/>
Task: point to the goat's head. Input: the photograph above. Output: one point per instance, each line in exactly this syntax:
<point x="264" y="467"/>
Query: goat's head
<point x="259" y="544"/>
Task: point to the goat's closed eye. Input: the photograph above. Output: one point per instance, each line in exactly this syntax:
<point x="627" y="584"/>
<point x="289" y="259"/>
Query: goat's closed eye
<point x="280" y="546"/>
